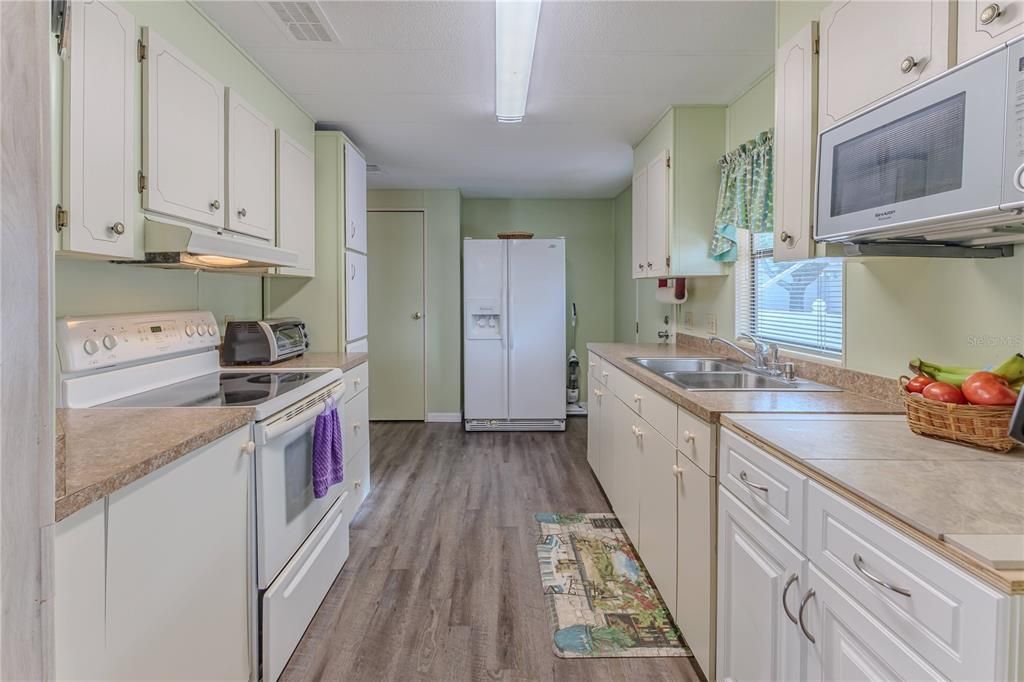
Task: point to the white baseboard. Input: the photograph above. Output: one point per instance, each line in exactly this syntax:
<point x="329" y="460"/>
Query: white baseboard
<point x="444" y="417"/>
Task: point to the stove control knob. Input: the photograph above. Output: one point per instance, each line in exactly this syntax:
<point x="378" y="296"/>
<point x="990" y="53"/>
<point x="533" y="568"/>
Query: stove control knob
<point x="110" y="342"/>
<point x="202" y="330"/>
<point x="212" y="330"/>
<point x="90" y="346"/>
<point x="190" y="330"/>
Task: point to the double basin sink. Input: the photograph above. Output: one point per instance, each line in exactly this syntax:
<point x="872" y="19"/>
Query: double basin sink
<point x="714" y="374"/>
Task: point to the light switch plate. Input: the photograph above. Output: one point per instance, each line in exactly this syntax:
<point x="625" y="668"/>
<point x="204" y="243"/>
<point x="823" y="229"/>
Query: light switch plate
<point x="688" y="319"/>
<point x="711" y="323"/>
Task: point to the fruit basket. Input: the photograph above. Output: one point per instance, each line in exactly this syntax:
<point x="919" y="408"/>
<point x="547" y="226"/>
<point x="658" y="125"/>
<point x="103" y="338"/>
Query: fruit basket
<point x="515" y="235"/>
<point x="980" y="425"/>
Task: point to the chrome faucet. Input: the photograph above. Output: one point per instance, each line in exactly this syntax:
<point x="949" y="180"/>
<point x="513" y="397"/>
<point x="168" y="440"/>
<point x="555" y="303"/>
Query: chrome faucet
<point x="736" y="348"/>
<point x="664" y="334"/>
<point x="764" y="359"/>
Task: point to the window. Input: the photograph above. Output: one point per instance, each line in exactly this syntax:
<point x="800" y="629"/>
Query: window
<point x="798" y="304"/>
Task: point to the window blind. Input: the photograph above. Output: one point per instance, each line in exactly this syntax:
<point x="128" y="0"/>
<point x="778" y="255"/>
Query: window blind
<point x="794" y="303"/>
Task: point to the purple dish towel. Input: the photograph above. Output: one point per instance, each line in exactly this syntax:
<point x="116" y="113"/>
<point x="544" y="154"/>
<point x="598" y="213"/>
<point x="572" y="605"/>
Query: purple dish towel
<point x="328" y="458"/>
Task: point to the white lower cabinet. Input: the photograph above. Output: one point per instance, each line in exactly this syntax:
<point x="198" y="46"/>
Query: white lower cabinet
<point x="866" y="603"/>
<point x="658" y="494"/>
<point x="357" y="434"/>
<point x="595" y="408"/>
<point x="152" y="582"/>
<point x="694" y="563"/>
<point x="622" y="488"/>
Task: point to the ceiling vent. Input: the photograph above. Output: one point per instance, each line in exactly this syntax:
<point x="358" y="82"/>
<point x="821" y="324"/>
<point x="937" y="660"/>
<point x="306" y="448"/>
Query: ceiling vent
<point x="303" y="22"/>
<point x="374" y="169"/>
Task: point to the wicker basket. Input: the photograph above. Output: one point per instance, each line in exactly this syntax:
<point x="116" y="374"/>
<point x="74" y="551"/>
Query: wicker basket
<point x="515" y="235"/>
<point x="979" y="425"/>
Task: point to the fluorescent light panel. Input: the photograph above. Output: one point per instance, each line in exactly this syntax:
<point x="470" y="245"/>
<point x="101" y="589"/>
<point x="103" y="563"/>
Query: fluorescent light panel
<point x="515" y="25"/>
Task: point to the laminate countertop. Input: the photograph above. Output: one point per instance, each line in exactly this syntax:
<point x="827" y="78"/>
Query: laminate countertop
<point x="966" y="503"/>
<point x="103" y="449"/>
<point x="343" y="361"/>
<point x="709" y="405"/>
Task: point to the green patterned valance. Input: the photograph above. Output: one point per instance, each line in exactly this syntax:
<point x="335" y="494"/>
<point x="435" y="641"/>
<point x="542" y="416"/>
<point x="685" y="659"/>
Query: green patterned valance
<point x="745" y="195"/>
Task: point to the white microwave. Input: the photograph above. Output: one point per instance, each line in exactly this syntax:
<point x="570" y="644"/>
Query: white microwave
<point x="941" y="163"/>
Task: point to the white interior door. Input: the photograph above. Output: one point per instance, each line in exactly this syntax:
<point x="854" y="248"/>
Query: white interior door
<point x="183" y="135"/>
<point x="536" y="328"/>
<point x="250" y="170"/>
<point x="355" y="200"/>
<point x="356" y="318"/>
<point x="296" y="204"/>
<point x="485" y="349"/>
<point x="99" y="152"/>
<point x="396" y="322"/>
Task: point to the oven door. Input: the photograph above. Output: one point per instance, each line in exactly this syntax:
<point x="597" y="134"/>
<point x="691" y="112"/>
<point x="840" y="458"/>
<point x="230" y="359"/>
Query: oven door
<point x="931" y="156"/>
<point x="286" y="511"/>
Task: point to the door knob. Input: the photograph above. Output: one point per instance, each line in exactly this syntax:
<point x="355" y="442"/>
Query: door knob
<point x="908" y="64"/>
<point x="990" y="14"/>
<point x="417" y="316"/>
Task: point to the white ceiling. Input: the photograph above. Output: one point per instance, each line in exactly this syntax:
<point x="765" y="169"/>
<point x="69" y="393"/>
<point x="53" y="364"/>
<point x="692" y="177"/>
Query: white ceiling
<point x="412" y="83"/>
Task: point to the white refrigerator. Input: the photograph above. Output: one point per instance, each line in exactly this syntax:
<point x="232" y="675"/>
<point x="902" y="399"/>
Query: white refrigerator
<point x="514" y="334"/>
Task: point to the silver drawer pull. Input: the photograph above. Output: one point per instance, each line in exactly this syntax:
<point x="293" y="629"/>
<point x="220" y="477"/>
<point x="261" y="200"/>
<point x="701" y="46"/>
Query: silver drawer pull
<point x="858" y="563"/>
<point x="754" y="486"/>
<point x="800" y="616"/>
<point x="785" y="592"/>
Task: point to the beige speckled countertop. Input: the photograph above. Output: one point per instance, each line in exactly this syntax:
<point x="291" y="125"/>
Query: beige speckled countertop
<point x="708" y="405"/>
<point x="965" y="503"/>
<point x="101" y="450"/>
<point x="343" y="361"/>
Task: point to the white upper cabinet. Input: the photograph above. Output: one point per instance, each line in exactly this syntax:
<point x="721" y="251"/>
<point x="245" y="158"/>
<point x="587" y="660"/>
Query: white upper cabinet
<point x="296" y="208"/>
<point x="99" y="127"/>
<point x="355" y="200"/>
<point x="872" y="50"/>
<point x="639" y="211"/>
<point x="356" y="322"/>
<point x="796" y="129"/>
<point x="183" y="136"/>
<point x="657" y="215"/>
<point x="982" y="25"/>
<point x="250" y="154"/>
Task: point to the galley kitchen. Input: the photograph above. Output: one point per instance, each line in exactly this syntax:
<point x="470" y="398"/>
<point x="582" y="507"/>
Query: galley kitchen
<point x="512" y="339"/>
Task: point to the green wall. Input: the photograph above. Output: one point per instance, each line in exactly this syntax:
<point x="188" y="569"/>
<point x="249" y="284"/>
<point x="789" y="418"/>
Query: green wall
<point x="443" y="289"/>
<point x="589" y="231"/>
<point x="94" y="286"/>
<point x="625" y="285"/>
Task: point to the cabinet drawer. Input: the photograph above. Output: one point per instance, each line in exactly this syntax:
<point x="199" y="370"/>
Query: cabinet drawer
<point x="774" y="491"/>
<point x="947" y="616"/>
<point x="356" y="415"/>
<point x="658" y="411"/>
<point x="357" y="380"/>
<point x="696" y="440"/>
<point x="595" y="367"/>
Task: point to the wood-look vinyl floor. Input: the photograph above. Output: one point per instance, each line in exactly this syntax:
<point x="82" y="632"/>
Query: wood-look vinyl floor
<point x="442" y="581"/>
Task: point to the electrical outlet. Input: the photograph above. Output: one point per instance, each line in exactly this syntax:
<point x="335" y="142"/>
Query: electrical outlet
<point x="688" y="319"/>
<point x="711" y="323"/>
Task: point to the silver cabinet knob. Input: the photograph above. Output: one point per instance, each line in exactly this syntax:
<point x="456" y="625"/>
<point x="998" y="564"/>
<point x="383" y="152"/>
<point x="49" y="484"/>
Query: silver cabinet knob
<point x="650" y="264"/>
<point x="242" y="213"/>
<point x="640" y="265"/>
<point x="215" y="205"/>
<point x="117" y="228"/>
<point x="417" y="316"/>
<point x="786" y="238"/>
<point x="990" y="14"/>
<point x="908" y="64"/>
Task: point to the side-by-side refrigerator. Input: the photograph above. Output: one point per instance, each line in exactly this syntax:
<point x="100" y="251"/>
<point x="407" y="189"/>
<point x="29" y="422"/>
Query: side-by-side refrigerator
<point x="514" y="334"/>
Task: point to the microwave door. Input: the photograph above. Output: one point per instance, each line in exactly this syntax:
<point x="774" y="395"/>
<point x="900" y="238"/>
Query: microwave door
<point x="1013" y="173"/>
<point x="931" y="153"/>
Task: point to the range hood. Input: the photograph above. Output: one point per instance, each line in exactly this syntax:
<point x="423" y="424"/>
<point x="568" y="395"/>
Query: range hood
<point x="179" y="245"/>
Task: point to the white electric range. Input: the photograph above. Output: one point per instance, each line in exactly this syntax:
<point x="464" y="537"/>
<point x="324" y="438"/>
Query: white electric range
<point x="170" y="360"/>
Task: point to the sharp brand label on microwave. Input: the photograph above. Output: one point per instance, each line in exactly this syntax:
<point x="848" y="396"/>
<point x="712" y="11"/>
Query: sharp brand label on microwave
<point x="885" y="215"/>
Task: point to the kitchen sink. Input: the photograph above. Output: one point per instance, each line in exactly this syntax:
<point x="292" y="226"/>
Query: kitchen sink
<point x="741" y="380"/>
<point x="665" y="365"/>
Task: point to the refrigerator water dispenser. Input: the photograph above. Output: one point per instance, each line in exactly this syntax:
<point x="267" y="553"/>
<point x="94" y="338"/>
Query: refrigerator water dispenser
<point x="483" y="318"/>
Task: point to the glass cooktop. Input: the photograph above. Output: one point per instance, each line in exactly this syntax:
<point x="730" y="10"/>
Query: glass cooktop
<point x="221" y="389"/>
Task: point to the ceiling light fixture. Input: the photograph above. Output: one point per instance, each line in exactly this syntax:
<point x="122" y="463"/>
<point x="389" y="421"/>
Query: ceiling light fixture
<point x="515" y="33"/>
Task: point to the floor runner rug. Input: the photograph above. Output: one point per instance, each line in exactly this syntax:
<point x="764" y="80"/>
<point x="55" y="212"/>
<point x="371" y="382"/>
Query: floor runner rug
<point x="602" y="601"/>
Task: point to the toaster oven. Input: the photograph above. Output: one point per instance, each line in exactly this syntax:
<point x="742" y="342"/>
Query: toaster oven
<point x="263" y="342"/>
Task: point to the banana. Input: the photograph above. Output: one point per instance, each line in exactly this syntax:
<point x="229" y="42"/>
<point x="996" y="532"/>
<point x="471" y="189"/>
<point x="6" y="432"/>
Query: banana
<point x="949" y="374"/>
<point x="1012" y="369"/>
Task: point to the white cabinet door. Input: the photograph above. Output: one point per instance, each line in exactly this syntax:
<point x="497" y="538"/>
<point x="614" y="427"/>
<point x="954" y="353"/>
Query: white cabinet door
<point x="79" y="591"/>
<point x="178" y="582"/>
<point x="872" y="50"/>
<point x="658" y="492"/>
<point x="183" y="135"/>
<point x="594" y="417"/>
<point x="639" y="214"/>
<point x="983" y="24"/>
<point x="99" y="125"/>
<point x="694" y="581"/>
<point x="760" y="581"/>
<point x="623" y="481"/>
<point x="850" y="645"/>
<point x="657" y="215"/>
<point x="296" y="204"/>
<point x="250" y="196"/>
<point x="356" y="326"/>
<point x="796" y="131"/>
<point x="355" y="200"/>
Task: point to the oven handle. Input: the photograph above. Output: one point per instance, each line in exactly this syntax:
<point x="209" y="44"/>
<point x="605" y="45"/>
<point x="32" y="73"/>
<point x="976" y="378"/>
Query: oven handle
<point x="266" y="433"/>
